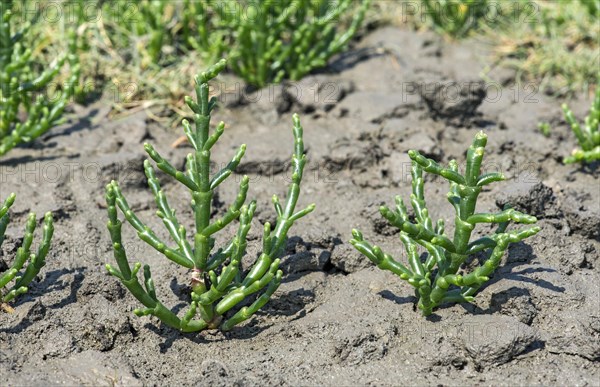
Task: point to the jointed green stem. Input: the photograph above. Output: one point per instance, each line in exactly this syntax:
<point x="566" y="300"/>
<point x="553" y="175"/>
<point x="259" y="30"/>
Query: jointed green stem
<point x="35" y="261"/>
<point x="18" y="85"/>
<point x="434" y="276"/>
<point x="217" y="281"/>
<point x="588" y="136"/>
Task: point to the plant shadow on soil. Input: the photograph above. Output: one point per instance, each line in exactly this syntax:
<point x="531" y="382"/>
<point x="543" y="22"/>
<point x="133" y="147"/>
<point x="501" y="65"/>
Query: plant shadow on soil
<point x="589" y="169"/>
<point x="398" y="299"/>
<point x="507" y="273"/>
<point x="170" y="336"/>
<point x="81" y="123"/>
<point x="514" y="252"/>
<point x="287" y="304"/>
<point x="350" y="59"/>
<point x="52" y="283"/>
<point x="16" y="161"/>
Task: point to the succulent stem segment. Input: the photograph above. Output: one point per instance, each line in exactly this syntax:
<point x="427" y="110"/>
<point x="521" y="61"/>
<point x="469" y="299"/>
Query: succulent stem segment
<point x="19" y="84"/>
<point x="35" y="261"/>
<point x="436" y="276"/>
<point x="217" y="283"/>
<point x="588" y="136"/>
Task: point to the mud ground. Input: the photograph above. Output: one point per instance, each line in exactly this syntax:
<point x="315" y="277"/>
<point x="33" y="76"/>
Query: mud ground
<point x="335" y="320"/>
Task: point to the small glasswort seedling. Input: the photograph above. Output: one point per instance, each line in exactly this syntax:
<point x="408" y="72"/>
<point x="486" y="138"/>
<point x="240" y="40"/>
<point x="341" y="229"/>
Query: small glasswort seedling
<point x="544" y="127"/>
<point x="588" y="136"/>
<point x="216" y="279"/>
<point x="19" y="81"/>
<point x="24" y="255"/>
<point x="434" y="275"/>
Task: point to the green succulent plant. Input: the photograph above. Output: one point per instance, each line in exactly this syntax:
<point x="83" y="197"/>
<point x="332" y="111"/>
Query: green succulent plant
<point x="588" y="136"/>
<point x="217" y="282"/>
<point x="24" y="117"/>
<point x="272" y="40"/>
<point x="436" y="276"/>
<point x="17" y="276"/>
<point x="141" y="30"/>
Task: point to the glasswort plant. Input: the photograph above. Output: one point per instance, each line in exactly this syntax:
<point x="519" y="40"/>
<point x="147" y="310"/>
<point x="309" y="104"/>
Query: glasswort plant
<point x="434" y="276"/>
<point x="141" y="31"/>
<point x="35" y="261"/>
<point x="216" y="279"/>
<point x="588" y="136"/>
<point x="272" y="40"/>
<point x="18" y="81"/>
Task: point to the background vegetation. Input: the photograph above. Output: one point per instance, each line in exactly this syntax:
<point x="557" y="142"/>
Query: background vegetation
<point x="142" y="54"/>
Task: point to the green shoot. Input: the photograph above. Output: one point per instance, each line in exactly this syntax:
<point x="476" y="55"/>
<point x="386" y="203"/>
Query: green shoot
<point x="588" y="136"/>
<point x="544" y="127"/>
<point x="436" y="277"/>
<point x="19" y="274"/>
<point x="217" y="282"/>
<point x="24" y="118"/>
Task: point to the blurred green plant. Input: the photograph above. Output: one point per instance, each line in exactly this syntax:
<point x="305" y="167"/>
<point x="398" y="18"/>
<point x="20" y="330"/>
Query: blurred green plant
<point x="593" y="7"/>
<point x="143" y="32"/>
<point x="23" y="116"/>
<point x="272" y="40"/>
<point x="141" y="54"/>
<point x="556" y="44"/>
<point x="117" y="46"/>
<point x="435" y="273"/>
<point x="544" y="127"/>
<point x="35" y="261"/>
<point x="588" y="136"/>
<point x="455" y="17"/>
<point x="217" y="282"/>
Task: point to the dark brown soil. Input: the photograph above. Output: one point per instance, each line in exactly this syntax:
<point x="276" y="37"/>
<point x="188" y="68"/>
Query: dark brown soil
<point x="335" y="320"/>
